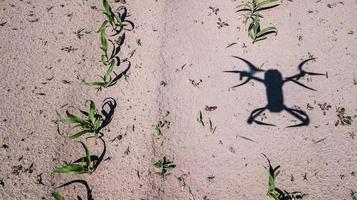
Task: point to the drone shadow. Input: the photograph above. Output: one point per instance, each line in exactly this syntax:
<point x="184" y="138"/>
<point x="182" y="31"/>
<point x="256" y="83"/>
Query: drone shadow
<point x="274" y="82"/>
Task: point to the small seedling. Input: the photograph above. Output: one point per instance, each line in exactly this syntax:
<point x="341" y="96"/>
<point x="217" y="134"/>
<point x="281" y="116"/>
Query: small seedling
<point x="161" y="124"/>
<point x="275" y="193"/>
<point x="84" y="166"/>
<point x="57" y="196"/>
<point x="158" y="127"/>
<point x="255" y="32"/>
<point x="353" y="195"/>
<point x="90" y="125"/>
<point x="200" y="118"/>
<point x="165" y="166"/>
<point x="273" y="173"/>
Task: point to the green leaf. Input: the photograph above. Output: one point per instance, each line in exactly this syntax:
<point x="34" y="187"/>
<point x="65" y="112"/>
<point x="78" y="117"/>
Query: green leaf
<point x="79" y="134"/>
<point x="103" y="26"/>
<point x="91" y="112"/>
<point x="104" y="59"/>
<point x="104" y="43"/>
<point x="108" y="11"/>
<point x="158" y="164"/>
<point x="109" y="71"/>
<point x="256" y="26"/>
<point x="96" y="84"/>
<point x="271" y="187"/>
<point x="88" y="160"/>
<point x="259" y="5"/>
<point x="73" y="118"/>
<point x="57" y="196"/>
<point x="353" y="195"/>
<point x="71" y="169"/>
<point x="118" y="21"/>
<point x="106" y="6"/>
<point x="267" y="31"/>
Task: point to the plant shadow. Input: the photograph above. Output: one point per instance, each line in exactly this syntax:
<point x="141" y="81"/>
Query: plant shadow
<point x="85" y="184"/>
<point x="108" y="109"/>
<point x="127" y="25"/>
<point x="94" y="158"/>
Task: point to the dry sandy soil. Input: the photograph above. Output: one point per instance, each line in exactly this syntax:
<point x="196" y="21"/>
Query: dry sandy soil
<point x="44" y="63"/>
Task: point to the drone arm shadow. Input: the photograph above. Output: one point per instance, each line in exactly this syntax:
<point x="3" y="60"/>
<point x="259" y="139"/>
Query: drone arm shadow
<point x="245" y="74"/>
<point x="254" y="114"/>
<point x="300" y="115"/>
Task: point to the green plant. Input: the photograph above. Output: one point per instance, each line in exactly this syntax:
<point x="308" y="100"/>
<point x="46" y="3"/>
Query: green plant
<point x="158" y="127"/>
<point x="107" y="80"/>
<point x="255" y="32"/>
<point x="353" y="195"/>
<point x="165" y="166"/>
<point x="275" y="193"/>
<point x="57" y="196"/>
<point x="85" y="165"/>
<point x="90" y="125"/>
<point x="272" y="192"/>
<point x="161" y="124"/>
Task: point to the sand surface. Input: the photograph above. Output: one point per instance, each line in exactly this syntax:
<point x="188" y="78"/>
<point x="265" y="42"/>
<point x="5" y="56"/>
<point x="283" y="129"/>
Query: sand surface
<point x="178" y="69"/>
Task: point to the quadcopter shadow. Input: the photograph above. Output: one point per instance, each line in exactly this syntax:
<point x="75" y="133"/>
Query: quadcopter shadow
<point x="274" y="82"/>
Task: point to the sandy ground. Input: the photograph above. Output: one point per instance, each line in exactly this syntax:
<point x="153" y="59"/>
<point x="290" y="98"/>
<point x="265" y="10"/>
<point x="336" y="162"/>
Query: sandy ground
<point x="181" y="43"/>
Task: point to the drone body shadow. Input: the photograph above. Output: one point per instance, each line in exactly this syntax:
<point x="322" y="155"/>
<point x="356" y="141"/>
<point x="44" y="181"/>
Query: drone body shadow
<point x="274" y="82"/>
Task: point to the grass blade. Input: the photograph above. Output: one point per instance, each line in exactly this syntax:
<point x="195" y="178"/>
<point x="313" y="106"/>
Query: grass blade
<point x="103" y="26"/>
<point x="259" y="5"/>
<point x="104" y="43"/>
<point x="109" y="71"/>
<point x="267" y="31"/>
<point x="57" y="196"/>
<point x="91" y="112"/>
<point x="73" y="118"/>
<point x="96" y="84"/>
<point x="79" y="134"/>
<point x="88" y="160"/>
<point x="71" y="169"/>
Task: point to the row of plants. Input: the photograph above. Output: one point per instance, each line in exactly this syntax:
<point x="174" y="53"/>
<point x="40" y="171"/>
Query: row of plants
<point x="89" y="124"/>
